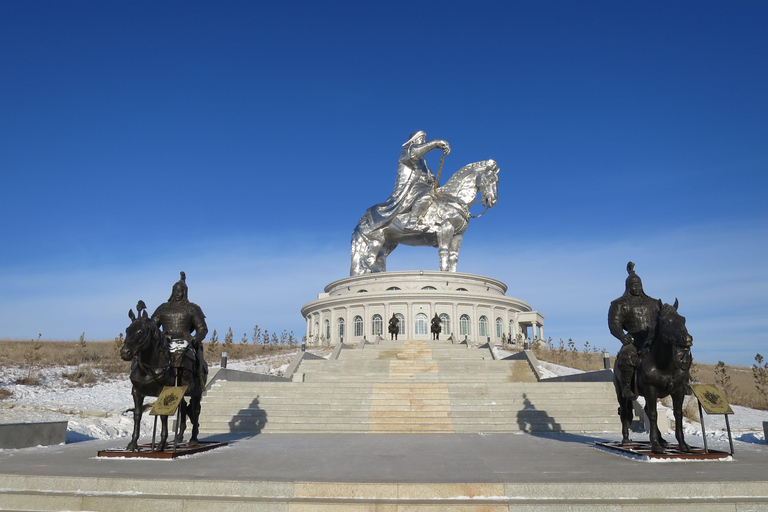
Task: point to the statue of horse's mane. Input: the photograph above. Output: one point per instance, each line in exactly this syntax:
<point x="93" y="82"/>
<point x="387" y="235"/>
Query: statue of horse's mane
<point x="454" y="183"/>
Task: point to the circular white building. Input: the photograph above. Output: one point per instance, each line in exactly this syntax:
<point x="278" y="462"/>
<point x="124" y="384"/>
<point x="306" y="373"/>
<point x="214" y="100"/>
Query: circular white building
<point x="469" y="305"/>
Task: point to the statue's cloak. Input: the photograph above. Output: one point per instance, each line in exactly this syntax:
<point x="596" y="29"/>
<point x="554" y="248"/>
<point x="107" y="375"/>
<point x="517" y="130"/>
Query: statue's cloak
<point x="413" y="179"/>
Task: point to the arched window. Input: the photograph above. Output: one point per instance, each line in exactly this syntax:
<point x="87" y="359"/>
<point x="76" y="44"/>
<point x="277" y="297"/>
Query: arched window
<point x="429" y="288"/>
<point x="461" y="289"/>
<point x="362" y="291"/>
<point x="483" y="331"/>
<point x="499" y="327"/>
<point x="401" y="325"/>
<point x="376" y="325"/>
<point x="512" y="330"/>
<point x="340" y="326"/>
<point x="421" y="324"/>
<point x="392" y="288"/>
<point x="328" y="329"/>
<point x="317" y="329"/>
<point x="358" y="323"/>
<point x="445" y="324"/>
<point x="465" y="326"/>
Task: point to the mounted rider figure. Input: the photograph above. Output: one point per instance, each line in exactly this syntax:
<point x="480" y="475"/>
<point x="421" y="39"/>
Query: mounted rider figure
<point x="179" y="318"/>
<point x="414" y="184"/>
<point x="632" y="320"/>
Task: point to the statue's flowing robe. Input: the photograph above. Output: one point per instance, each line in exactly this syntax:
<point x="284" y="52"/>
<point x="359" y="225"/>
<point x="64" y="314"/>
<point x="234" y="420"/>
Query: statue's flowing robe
<point x="413" y="179"/>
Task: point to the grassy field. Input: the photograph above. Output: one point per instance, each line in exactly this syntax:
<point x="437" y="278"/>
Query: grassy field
<point x="738" y="382"/>
<point x="92" y="360"/>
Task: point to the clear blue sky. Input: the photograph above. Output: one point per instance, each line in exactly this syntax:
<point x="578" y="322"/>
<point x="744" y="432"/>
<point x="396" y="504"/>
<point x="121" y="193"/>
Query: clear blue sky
<point x="240" y="142"/>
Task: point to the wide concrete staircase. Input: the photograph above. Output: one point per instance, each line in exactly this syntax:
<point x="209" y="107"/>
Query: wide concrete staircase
<point x="410" y="386"/>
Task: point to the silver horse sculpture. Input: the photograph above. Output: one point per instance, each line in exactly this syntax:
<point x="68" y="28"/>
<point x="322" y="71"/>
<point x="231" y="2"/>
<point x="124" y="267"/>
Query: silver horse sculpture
<point x="441" y="225"/>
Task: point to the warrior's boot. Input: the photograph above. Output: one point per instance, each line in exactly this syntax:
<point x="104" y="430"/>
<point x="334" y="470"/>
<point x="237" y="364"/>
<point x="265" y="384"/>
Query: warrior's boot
<point x="627" y="375"/>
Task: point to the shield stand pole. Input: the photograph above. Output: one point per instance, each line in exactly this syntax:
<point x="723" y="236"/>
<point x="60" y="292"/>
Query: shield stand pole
<point x="178" y="414"/>
<point x="703" y="432"/>
<point x="730" y="438"/>
<point x="154" y="434"/>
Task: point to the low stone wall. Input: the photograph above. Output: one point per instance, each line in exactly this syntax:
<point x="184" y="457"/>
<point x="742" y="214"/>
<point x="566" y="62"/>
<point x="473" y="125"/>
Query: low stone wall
<point x="24" y="435"/>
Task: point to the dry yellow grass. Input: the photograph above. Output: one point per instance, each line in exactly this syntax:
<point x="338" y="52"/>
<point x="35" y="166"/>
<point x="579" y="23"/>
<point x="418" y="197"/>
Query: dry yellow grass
<point x="740" y="391"/>
<point x="101" y="355"/>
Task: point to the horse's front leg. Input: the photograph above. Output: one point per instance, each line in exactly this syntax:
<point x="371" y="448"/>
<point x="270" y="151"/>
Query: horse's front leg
<point x="453" y="255"/>
<point x="444" y="238"/>
<point x="650" y="410"/>
<point x="677" y="407"/>
<point x="138" y="404"/>
<point x="163" y="443"/>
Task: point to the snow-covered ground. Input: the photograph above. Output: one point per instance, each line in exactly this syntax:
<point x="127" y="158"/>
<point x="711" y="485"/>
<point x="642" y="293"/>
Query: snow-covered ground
<point x="102" y="411"/>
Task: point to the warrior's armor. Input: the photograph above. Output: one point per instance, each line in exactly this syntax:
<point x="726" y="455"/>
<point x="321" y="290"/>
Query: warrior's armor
<point x="636" y="313"/>
<point x="179" y="318"/>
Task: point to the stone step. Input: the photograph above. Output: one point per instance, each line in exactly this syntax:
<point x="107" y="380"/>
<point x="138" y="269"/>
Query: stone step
<point x="49" y="493"/>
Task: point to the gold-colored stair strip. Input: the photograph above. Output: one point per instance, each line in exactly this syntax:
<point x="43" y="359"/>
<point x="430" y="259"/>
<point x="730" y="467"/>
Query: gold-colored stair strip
<point x="406" y="403"/>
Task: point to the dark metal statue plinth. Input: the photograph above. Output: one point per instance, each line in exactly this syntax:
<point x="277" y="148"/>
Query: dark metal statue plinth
<point x="144" y="451"/>
<point x="642" y="451"/>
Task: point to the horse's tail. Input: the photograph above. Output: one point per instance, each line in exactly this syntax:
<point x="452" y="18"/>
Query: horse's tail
<point x="358" y="251"/>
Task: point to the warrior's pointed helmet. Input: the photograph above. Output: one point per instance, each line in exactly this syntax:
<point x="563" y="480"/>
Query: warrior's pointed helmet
<point x="632" y="277"/>
<point x="414" y="136"/>
<point x="182" y="285"/>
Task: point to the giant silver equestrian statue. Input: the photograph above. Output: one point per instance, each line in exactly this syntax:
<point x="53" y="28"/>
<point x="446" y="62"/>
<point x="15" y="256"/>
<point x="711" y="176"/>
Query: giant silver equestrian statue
<point x="418" y="212"/>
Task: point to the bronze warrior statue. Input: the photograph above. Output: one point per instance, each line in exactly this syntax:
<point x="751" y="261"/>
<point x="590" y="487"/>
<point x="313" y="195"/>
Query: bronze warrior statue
<point x="173" y="357"/>
<point x="654" y="361"/>
<point x="632" y="320"/>
<point x="179" y="318"/>
<point x="394" y="327"/>
<point x="436" y="327"/>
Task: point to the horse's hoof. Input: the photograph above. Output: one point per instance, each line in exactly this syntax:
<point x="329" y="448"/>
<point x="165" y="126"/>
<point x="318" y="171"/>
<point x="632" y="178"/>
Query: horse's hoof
<point x="625" y="441"/>
<point x="657" y="448"/>
<point x="160" y="447"/>
<point x="193" y="442"/>
<point x="132" y="447"/>
<point x="684" y="447"/>
<point x="663" y="442"/>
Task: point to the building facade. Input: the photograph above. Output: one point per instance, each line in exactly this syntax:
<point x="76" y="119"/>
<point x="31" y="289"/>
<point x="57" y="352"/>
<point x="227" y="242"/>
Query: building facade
<point x="469" y="306"/>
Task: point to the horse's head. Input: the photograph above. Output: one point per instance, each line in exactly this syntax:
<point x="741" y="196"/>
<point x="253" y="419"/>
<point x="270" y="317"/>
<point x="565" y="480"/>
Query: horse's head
<point x="487" y="183"/>
<point x="672" y="326"/>
<point x="672" y="330"/>
<point x="139" y="335"/>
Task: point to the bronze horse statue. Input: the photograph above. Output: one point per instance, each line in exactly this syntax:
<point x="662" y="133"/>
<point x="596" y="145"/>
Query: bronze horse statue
<point x="154" y="367"/>
<point x="664" y="371"/>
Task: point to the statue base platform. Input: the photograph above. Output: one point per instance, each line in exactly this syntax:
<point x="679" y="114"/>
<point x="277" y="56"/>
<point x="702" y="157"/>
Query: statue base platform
<point x="642" y="451"/>
<point x="144" y="451"/>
